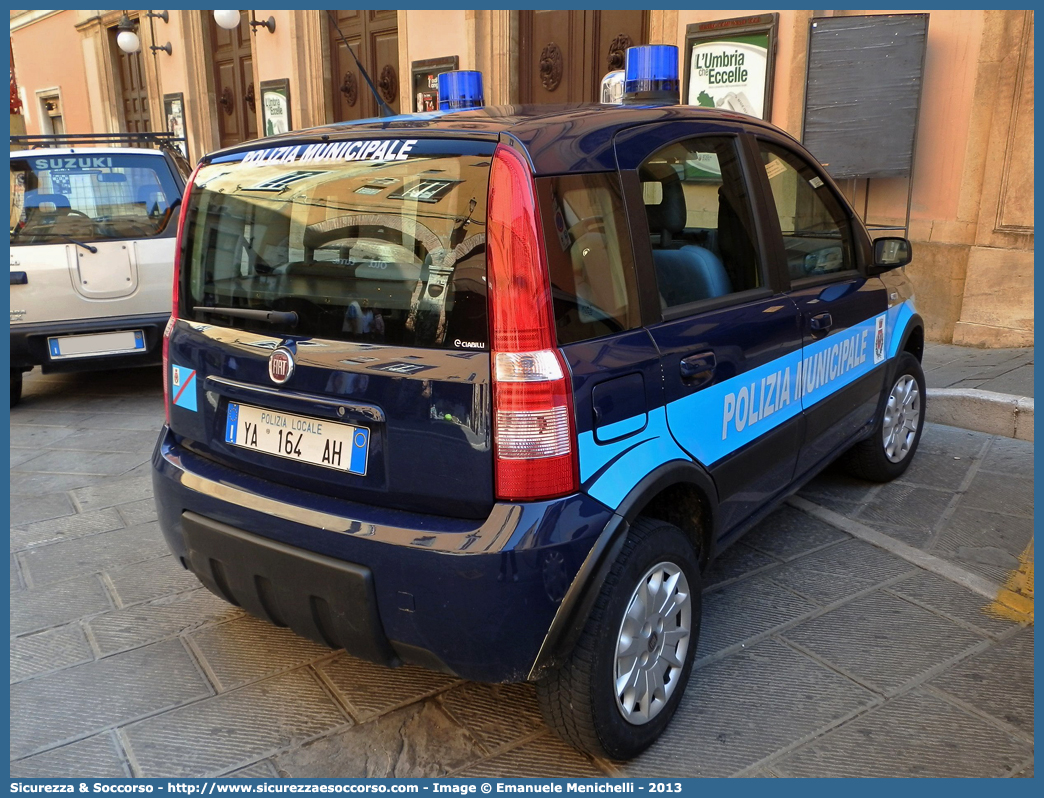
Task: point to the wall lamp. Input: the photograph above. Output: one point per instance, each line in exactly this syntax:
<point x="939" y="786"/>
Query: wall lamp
<point x="128" y="41"/>
<point x="152" y="31"/>
<point x="229" y="20"/>
<point x="255" y="23"/>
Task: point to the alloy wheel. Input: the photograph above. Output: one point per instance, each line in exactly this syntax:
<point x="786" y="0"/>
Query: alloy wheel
<point x="901" y="418"/>
<point x="652" y="643"/>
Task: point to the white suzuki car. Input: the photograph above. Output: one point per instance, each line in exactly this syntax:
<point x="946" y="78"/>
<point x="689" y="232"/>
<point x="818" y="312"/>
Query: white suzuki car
<point x="92" y="250"/>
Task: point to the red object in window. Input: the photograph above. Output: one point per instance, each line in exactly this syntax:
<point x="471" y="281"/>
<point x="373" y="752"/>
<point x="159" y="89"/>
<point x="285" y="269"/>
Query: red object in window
<point x="16" y="101"/>
<point x="534" y="437"/>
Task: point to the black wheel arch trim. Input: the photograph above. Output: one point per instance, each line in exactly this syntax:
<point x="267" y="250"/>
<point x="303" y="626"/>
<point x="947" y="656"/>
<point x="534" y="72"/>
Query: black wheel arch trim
<point x="580" y="598"/>
<point x="915" y="323"/>
<point x="664" y="476"/>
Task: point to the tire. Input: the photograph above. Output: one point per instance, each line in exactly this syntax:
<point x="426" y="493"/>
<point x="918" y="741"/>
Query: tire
<point x="882" y="457"/>
<point x="579" y="700"/>
<point x="16" y="387"/>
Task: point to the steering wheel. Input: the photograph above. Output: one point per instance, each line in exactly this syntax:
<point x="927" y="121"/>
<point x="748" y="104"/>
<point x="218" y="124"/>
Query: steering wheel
<point x="73" y="212"/>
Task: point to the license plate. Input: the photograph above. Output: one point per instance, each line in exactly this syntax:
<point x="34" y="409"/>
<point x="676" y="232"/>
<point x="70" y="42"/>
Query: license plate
<point x="342" y="447"/>
<point x="96" y="344"/>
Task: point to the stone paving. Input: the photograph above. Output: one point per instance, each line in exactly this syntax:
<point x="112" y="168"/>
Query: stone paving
<point x="1000" y="370"/>
<point x="820" y="655"/>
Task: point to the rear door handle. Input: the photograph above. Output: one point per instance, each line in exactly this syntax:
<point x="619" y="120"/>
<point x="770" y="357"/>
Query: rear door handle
<point x="821" y="323"/>
<point x="697" y="371"/>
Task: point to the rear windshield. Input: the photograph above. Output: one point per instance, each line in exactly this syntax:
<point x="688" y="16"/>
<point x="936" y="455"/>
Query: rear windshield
<point x="391" y="249"/>
<point x="90" y="197"/>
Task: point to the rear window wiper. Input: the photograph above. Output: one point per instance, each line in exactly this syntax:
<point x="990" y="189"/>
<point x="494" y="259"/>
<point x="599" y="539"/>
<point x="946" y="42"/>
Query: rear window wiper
<point x="288" y="317"/>
<point x="64" y="237"/>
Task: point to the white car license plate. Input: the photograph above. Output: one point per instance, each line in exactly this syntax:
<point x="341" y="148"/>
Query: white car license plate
<point x="323" y="443"/>
<point x="96" y="344"/>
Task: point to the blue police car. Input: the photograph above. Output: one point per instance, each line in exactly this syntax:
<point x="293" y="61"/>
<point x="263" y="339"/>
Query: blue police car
<point x="485" y="390"/>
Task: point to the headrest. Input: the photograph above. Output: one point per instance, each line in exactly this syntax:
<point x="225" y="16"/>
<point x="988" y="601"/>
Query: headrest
<point x="152" y="196"/>
<point x="669" y="213"/>
<point x="34" y="199"/>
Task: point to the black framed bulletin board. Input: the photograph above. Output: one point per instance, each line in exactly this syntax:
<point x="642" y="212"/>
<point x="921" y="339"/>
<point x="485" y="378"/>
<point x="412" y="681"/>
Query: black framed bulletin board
<point x="275" y="107"/>
<point x="174" y="119"/>
<point x="730" y="64"/>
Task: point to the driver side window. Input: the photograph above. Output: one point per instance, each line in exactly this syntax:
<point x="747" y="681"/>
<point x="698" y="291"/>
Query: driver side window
<point x="700" y="223"/>
<point x="816" y="234"/>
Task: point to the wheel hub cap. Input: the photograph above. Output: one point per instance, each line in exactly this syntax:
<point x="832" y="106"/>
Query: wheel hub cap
<point x="652" y="643"/>
<point x="901" y="419"/>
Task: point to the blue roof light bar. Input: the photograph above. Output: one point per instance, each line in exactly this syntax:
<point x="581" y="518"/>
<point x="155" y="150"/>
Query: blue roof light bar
<point x="460" y="89"/>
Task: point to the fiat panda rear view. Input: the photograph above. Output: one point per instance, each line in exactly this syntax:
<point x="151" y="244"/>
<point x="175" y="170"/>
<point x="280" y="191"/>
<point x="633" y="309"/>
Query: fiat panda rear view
<point x="333" y="319"/>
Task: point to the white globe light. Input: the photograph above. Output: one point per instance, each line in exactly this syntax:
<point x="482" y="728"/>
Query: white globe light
<point x="229" y="20"/>
<point x="127" y="40"/>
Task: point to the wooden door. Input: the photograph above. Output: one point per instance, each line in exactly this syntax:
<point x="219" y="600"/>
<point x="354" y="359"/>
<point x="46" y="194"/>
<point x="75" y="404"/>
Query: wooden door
<point x="552" y="56"/>
<point x="130" y="88"/>
<point x="564" y="54"/>
<point x="374" y="37"/>
<point x="236" y="95"/>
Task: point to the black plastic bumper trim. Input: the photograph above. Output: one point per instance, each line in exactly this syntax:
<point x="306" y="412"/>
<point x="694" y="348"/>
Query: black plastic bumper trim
<point x="330" y="601"/>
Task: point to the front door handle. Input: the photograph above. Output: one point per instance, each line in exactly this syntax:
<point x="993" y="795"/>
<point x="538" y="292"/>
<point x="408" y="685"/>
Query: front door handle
<point x="697" y="371"/>
<point x="821" y="323"/>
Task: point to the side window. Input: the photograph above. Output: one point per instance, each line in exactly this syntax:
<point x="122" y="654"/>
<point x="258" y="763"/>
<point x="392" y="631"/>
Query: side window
<point x="589" y="256"/>
<point x="700" y="221"/>
<point x="816" y="233"/>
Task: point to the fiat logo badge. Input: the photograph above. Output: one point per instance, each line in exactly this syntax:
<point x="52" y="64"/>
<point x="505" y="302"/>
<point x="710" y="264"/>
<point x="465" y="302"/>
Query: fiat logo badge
<point x="280" y="366"/>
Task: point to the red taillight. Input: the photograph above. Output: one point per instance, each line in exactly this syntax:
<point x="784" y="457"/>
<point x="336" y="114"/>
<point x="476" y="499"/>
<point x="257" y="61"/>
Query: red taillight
<point x="533" y="433"/>
<point x="183" y="212"/>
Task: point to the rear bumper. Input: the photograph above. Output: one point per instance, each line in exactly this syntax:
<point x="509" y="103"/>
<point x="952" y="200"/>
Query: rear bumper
<point x="473" y="598"/>
<point x="29" y="343"/>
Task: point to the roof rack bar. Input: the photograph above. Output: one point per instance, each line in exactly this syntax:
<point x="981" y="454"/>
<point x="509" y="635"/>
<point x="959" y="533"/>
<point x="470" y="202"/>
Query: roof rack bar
<point x="97" y="138"/>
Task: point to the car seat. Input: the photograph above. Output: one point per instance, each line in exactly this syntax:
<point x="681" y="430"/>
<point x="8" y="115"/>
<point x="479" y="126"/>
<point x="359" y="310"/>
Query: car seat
<point x="667" y="219"/>
<point x="735" y="244"/>
<point x="34" y="200"/>
<point x="36" y="216"/>
<point x="689" y="274"/>
<point x="686" y="272"/>
<point x="152" y="197"/>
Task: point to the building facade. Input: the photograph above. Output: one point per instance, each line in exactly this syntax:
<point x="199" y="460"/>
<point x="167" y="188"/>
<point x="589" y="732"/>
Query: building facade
<point x="970" y="194"/>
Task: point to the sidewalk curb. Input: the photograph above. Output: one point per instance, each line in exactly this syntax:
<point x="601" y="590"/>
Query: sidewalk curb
<point x="982" y="411"/>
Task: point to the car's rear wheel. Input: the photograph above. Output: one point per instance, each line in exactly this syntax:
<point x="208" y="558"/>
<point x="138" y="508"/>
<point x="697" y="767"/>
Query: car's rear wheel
<point x="887" y="453"/>
<point x="16" y="387"/>
<point x="621" y="684"/>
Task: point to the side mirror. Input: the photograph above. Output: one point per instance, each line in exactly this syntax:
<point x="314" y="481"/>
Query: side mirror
<point x="890" y="253"/>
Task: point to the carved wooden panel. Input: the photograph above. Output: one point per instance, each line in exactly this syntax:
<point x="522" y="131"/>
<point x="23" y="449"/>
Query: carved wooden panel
<point x="564" y="54"/>
<point x="373" y="36"/>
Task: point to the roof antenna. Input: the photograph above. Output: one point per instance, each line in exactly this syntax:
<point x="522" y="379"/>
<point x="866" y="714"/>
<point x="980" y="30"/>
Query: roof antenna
<point x="383" y="109"/>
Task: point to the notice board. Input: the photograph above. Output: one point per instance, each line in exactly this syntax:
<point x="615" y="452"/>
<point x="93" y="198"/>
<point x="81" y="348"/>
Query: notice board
<point x="863" y="93"/>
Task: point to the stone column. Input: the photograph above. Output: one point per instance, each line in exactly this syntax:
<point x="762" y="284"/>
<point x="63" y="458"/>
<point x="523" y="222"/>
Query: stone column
<point x="97" y="63"/>
<point x="997" y="307"/>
